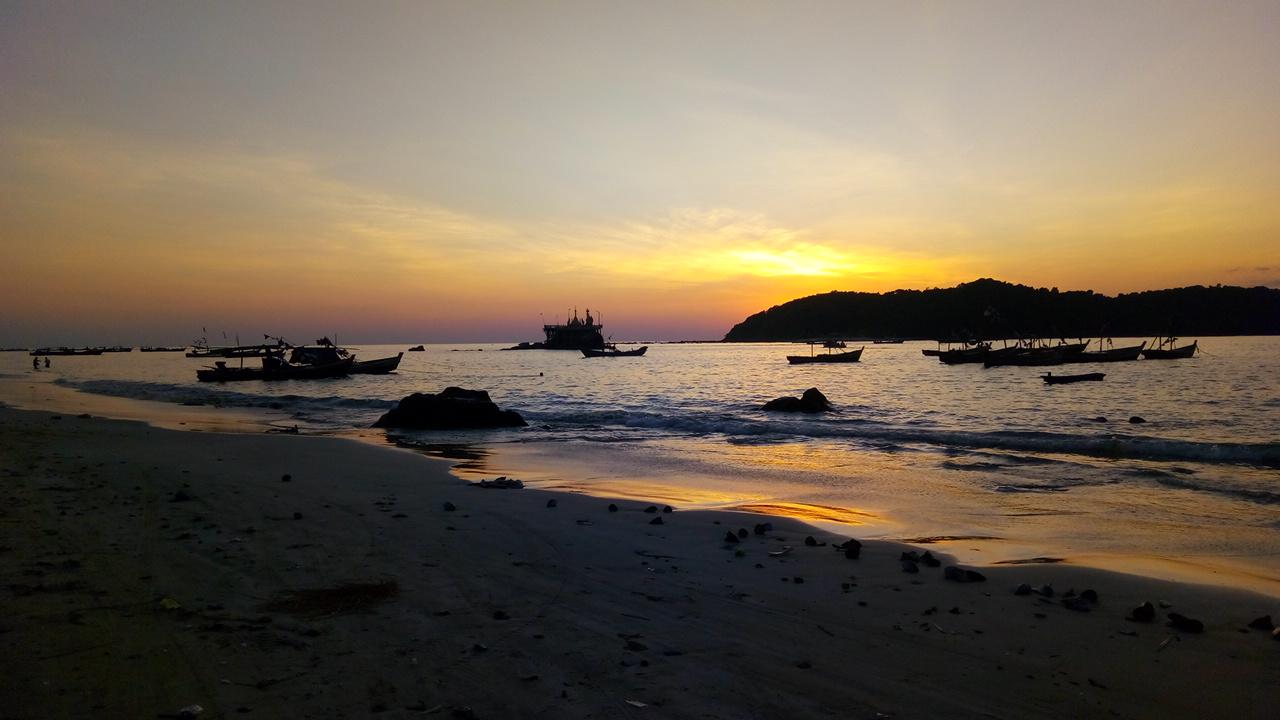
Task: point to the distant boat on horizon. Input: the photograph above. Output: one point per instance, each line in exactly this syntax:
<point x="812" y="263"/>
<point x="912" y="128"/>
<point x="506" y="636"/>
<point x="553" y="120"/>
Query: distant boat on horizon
<point x="67" y="351"/>
<point x="574" y="334"/>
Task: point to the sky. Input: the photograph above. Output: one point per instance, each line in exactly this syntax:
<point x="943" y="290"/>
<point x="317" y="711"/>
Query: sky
<point x="461" y="172"/>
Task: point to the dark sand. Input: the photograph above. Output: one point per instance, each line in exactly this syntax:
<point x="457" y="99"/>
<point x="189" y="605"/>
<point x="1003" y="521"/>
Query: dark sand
<point x="147" y="570"/>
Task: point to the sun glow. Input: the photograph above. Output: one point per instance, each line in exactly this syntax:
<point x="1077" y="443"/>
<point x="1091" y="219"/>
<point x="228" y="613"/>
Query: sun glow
<point x="804" y="260"/>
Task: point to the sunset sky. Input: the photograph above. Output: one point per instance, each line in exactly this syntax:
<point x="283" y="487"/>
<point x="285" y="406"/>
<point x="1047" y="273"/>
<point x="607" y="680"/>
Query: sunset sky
<point x="427" y="171"/>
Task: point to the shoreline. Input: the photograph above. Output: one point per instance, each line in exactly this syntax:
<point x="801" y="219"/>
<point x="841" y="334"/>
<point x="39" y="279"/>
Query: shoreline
<point x="153" y="569"/>
<point x="474" y="461"/>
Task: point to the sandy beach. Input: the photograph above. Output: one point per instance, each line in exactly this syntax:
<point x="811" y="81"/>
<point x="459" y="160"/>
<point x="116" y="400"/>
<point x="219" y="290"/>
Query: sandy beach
<point x="254" y="575"/>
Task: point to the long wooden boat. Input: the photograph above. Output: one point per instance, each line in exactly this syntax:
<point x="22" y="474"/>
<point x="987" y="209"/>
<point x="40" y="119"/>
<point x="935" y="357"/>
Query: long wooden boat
<point x="931" y="353"/>
<point x="614" y="352"/>
<point x="117" y="348"/>
<point x="963" y="356"/>
<point x="273" y="368"/>
<point x="1051" y="379"/>
<point x="1036" y="357"/>
<point x="148" y="348"/>
<point x="1164" y="350"/>
<point x="845" y="357"/>
<point x="381" y="366"/>
<point x="887" y="342"/>
<point x="1122" y="354"/>
<point x="66" y="351"/>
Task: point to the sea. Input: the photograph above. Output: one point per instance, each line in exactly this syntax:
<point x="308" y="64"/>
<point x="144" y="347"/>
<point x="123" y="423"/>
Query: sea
<point x="990" y="465"/>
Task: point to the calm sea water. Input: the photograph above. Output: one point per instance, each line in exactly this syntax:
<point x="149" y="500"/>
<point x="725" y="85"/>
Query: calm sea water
<point x="916" y="448"/>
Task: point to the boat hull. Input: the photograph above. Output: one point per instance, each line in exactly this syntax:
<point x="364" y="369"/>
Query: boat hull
<point x="381" y="366"/>
<point x="847" y="357"/>
<point x="1124" y="354"/>
<point x="1034" y="358"/>
<point x="1185" y="351"/>
<point x="275" y="372"/>
<point x="1052" y="379"/>
<point x="615" y="353"/>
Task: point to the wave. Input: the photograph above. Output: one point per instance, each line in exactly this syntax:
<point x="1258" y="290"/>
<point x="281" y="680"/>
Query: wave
<point x="193" y="394"/>
<point x="1264" y="497"/>
<point x="738" y="425"/>
<point x="739" y="428"/>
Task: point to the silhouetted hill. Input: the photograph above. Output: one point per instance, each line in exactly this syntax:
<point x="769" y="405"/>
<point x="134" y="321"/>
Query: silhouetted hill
<point x="993" y="309"/>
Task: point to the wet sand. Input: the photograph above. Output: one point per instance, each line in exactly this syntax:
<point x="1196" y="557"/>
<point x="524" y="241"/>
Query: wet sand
<point x="149" y="570"/>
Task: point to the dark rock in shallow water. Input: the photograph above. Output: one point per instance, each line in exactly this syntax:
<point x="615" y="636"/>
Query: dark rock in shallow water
<point x="552" y="503"/>
<point x="1090" y="595"/>
<point x="1046" y="590"/>
<point x="613" y="507"/>
<point x="1146" y="612"/>
<point x="810" y="541"/>
<point x="929" y="560"/>
<point x="730" y="537"/>
<point x="812" y="401"/>
<point x="449" y="507"/>
<point x="974" y="576"/>
<point x="667" y="509"/>
<point x="742" y="533"/>
<point x="651" y="509"/>
<point x="1136" y="419"/>
<point x="1178" y="621"/>
<point x="909" y="566"/>
<point x="656" y="521"/>
<point x="452" y="409"/>
<point x="762" y="528"/>
<point x="1023" y="589"/>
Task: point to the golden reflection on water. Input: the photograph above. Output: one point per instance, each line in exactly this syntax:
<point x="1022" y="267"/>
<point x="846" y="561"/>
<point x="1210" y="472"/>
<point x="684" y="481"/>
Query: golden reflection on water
<point x="806" y="511"/>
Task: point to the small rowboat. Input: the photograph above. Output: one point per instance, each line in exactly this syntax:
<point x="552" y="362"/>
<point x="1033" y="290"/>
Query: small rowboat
<point x="614" y="352"/>
<point x="1052" y="379"/>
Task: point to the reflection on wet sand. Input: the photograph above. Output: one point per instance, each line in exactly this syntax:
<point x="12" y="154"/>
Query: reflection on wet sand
<point x="806" y="511"/>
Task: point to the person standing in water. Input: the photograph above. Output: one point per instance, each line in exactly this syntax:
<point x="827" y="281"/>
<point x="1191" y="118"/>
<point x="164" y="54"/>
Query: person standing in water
<point x="35" y="363"/>
<point x="46" y="362"/>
